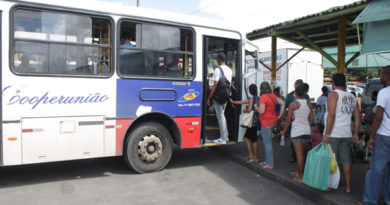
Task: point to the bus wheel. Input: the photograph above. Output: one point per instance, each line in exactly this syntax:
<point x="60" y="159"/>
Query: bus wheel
<point x="148" y="148"/>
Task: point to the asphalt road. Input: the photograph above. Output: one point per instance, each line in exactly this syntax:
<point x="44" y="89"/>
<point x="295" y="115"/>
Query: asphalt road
<point x="196" y="176"/>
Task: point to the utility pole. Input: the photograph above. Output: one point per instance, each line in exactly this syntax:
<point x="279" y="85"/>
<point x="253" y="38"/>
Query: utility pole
<point x="138" y="2"/>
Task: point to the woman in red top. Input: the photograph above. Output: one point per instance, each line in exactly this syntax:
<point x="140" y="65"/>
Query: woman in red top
<point x="268" y="119"/>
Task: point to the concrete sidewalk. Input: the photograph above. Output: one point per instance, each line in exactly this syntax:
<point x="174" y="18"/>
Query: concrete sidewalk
<point x="282" y="170"/>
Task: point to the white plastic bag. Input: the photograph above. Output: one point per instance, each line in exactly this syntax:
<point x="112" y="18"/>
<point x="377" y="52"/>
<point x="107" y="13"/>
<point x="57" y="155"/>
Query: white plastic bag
<point x="334" y="179"/>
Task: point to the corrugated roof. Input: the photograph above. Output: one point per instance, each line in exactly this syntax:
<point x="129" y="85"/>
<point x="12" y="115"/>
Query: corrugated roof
<point x="325" y="15"/>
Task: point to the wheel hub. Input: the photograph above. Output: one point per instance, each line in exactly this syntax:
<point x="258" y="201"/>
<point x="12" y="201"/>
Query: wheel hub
<point x="150" y="148"/>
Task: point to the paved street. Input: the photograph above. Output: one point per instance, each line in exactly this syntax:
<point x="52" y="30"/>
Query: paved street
<point x="198" y="176"/>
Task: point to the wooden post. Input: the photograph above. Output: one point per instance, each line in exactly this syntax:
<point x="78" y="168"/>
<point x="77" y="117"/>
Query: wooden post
<point x="273" y="60"/>
<point x="341" y="45"/>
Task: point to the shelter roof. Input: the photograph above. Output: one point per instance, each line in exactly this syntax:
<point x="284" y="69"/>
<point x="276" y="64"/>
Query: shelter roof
<point x="317" y="30"/>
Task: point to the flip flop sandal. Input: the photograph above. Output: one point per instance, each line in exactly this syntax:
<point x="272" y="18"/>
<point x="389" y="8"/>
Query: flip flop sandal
<point x="295" y="179"/>
<point x="247" y="158"/>
<point x="358" y="202"/>
<point x="263" y="163"/>
<point x="268" y="167"/>
<point x="250" y="160"/>
<point x="294" y="174"/>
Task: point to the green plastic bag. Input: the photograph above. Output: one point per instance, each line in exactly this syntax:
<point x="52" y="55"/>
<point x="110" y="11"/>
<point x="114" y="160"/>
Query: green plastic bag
<point x="317" y="168"/>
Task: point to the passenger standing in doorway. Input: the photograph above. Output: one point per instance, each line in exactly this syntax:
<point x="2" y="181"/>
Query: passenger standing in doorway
<point x="268" y="118"/>
<point x="289" y="99"/>
<point x="380" y="144"/>
<point x="251" y="133"/>
<point x="220" y="108"/>
<point x="341" y="106"/>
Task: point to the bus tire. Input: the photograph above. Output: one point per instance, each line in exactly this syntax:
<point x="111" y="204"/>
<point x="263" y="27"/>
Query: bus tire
<point x="148" y="148"/>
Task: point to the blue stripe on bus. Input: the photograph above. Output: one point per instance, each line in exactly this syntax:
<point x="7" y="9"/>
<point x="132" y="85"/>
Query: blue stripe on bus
<point x="175" y="98"/>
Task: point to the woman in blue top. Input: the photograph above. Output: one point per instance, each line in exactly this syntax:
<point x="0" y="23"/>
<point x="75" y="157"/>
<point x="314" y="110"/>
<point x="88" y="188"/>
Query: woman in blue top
<point x="251" y="133"/>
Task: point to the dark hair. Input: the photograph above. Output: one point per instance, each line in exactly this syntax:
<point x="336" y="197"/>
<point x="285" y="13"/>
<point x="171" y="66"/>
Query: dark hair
<point x="253" y="89"/>
<point x="300" y="90"/>
<point x="222" y="57"/>
<point x="126" y="35"/>
<point x="353" y="93"/>
<point x="324" y="90"/>
<point x="265" y="87"/>
<point x="277" y="92"/>
<point x="320" y="127"/>
<point x="298" y="82"/>
<point x="386" y="70"/>
<point x="374" y="95"/>
<point x="306" y="87"/>
<point x="339" y="80"/>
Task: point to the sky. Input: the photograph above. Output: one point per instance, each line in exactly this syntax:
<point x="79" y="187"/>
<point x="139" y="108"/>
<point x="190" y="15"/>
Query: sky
<point x="244" y="15"/>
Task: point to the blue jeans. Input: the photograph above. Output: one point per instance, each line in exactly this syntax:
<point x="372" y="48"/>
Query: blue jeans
<point x="379" y="162"/>
<point x="266" y="133"/>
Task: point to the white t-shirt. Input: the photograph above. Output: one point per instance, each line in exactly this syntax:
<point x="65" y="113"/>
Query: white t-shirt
<point x="226" y="71"/>
<point x="383" y="100"/>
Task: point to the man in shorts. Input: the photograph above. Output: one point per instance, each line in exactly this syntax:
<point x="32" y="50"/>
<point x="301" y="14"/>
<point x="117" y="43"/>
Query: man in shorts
<point x="341" y="106"/>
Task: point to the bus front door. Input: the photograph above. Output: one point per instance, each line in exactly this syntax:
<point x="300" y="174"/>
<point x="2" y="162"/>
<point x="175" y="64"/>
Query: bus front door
<point x="213" y="46"/>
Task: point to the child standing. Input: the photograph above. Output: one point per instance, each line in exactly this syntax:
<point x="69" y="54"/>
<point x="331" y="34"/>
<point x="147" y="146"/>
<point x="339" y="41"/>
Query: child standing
<point x="316" y="137"/>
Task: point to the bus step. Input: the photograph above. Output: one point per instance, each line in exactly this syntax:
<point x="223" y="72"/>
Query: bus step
<point x="208" y="128"/>
<point x="212" y="144"/>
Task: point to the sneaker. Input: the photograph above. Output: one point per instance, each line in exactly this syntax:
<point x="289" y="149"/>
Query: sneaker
<point x="220" y="141"/>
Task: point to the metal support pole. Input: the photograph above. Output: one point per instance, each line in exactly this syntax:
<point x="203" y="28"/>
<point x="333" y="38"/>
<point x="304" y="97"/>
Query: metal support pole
<point x="138" y="3"/>
<point x="273" y="60"/>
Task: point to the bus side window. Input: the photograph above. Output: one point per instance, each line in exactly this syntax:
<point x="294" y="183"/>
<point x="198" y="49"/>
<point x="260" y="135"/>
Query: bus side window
<point x="61" y="43"/>
<point x="155" y="50"/>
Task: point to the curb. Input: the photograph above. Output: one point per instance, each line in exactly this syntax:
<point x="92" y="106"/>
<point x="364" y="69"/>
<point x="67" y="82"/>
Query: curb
<point x="300" y="189"/>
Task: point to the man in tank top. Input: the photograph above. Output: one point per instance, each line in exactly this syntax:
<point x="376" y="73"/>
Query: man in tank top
<point x="341" y="106"/>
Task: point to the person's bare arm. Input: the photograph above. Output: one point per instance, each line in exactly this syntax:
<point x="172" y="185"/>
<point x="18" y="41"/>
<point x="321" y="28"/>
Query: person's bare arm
<point x="238" y="102"/>
<point x="212" y="92"/>
<point x="356" y="115"/>
<point x="331" y="107"/>
<point x="249" y="109"/>
<point x="375" y="125"/>
<point x="261" y="108"/>
<point x="290" y="112"/>
<point x="282" y="107"/>
<point x="311" y="115"/>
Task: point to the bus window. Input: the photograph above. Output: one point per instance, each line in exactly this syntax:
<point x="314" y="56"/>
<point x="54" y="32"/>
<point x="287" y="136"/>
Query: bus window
<point x="60" y="43"/>
<point x="155" y="50"/>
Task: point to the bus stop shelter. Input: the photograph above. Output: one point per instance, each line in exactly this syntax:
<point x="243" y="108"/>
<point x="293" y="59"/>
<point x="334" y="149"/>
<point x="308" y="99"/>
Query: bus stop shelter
<point x="330" y="28"/>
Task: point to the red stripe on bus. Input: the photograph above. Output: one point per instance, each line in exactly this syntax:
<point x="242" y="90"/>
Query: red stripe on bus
<point x="190" y="131"/>
<point x="27" y="130"/>
<point x="122" y="126"/>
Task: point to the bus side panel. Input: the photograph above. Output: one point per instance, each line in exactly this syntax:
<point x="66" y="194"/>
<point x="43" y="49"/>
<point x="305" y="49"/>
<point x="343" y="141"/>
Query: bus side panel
<point x="190" y="130"/>
<point x="177" y="99"/>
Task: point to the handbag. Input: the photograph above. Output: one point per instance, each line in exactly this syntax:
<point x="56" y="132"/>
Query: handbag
<point x="246" y="119"/>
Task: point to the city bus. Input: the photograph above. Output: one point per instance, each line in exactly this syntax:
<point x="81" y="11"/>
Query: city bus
<point x="90" y="79"/>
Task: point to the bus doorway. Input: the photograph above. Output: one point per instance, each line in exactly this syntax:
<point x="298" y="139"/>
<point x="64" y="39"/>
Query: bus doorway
<point x="231" y="48"/>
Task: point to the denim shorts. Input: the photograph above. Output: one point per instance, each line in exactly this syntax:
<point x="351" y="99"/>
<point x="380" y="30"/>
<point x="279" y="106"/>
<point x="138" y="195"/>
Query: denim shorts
<point x="341" y="147"/>
<point x="302" y="138"/>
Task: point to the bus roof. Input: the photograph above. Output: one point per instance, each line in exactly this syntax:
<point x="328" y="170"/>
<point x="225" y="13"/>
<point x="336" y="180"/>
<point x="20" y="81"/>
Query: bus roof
<point x="122" y="9"/>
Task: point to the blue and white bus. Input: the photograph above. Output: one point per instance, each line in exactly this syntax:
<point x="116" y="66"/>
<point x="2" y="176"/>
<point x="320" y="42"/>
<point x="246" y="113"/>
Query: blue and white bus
<point x="82" y="80"/>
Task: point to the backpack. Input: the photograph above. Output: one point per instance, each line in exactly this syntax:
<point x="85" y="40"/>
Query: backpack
<point x="223" y="91"/>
